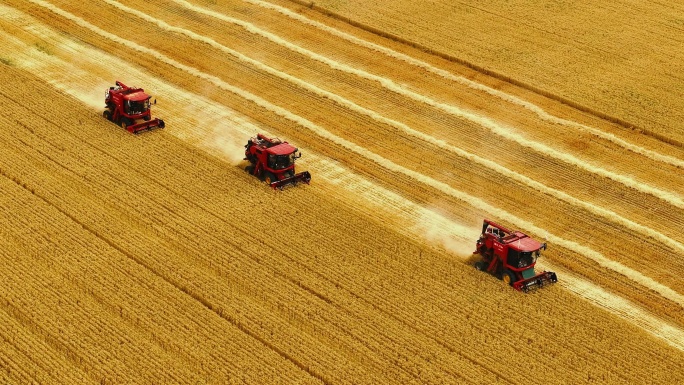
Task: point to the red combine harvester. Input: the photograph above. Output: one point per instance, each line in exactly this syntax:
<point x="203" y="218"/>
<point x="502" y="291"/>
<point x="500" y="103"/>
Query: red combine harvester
<point x="273" y="161"/>
<point x="511" y="256"/>
<point x="129" y="107"/>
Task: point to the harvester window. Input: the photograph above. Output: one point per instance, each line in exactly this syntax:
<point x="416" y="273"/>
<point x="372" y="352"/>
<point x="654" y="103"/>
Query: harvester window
<point x="493" y="230"/>
<point x="133" y="108"/>
<point x="521" y="258"/>
<point x="279" y="162"/>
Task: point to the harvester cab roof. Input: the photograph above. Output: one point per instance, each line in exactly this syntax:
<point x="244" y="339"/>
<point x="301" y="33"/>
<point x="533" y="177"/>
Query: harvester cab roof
<point x="521" y="242"/>
<point x="281" y="149"/>
<point x="137" y="96"/>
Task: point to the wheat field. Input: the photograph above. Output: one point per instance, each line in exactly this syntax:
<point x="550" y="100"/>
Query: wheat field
<point x="155" y="259"/>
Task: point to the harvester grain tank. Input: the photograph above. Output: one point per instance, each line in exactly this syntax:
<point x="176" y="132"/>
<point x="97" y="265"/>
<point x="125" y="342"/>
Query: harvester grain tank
<point x="129" y="107"/>
<point x="273" y="161"/>
<point x="511" y="256"/>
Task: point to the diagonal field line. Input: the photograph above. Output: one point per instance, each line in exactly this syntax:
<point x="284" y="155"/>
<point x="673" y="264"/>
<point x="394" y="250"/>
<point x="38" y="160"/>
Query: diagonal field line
<point x="599" y="258"/>
<point x="503" y="131"/>
<point x="597" y="210"/>
<point x="472" y="84"/>
<point x="622" y="307"/>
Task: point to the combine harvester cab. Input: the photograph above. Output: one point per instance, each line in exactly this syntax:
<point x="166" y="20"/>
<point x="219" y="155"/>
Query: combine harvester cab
<point x="511" y="256"/>
<point x="273" y="161"/>
<point x="129" y="107"/>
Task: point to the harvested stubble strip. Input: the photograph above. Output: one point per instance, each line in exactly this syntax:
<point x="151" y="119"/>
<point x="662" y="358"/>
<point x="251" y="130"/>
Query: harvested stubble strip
<point x="576" y="62"/>
<point x="270" y="17"/>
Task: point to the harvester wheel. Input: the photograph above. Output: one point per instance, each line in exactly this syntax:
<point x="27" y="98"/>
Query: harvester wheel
<point x="268" y="178"/>
<point x="480" y="265"/>
<point x="107" y="114"/>
<point x="124" y="123"/>
<point x="508" y="277"/>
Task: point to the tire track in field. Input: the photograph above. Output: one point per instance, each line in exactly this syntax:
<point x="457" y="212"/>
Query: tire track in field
<point x="508" y="133"/>
<point x="461" y="80"/>
<point x="634" y="275"/>
<point x="607" y="214"/>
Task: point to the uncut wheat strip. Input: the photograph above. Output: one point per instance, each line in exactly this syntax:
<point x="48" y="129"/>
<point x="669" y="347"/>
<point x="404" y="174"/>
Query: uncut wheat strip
<point x="461" y="80"/>
<point x="13" y="372"/>
<point x="21" y="162"/>
<point x="504" y="131"/>
<point x="77" y="336"/>
<point x="198" y="343"/>
<point x="448" y="309"/>
<point x="341" y="326"/>
<point x="28" y="302"/>
<point x="372" y="343"/>
<point x="610" y="215"/>
<point x="320" y="131"/>
<point x="26" y="356"/>
<point x="16" y="367"/>
<point x="48" y="278"/>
